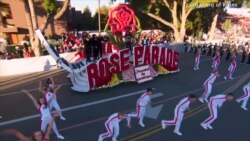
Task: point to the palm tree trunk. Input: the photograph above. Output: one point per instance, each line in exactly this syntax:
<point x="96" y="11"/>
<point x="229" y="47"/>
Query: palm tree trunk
<point x="36" y="42"/>
<point x="213" y="27"/>
<point x="29" y="22"/>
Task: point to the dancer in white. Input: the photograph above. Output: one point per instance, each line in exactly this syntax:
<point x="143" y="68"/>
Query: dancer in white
<point x="208" y="86"/>
<point x="197" y="59"/>
<point x="216" y="61"/>
<point x="215" y="103"/>
<point x="141" y="104"/>
<point x="231" y="68"/>
<point x="112" y="126"/>
<point x="49" y="83"/>
<point x="179" y="111"/>
<point x="51" y="99"/>
<point x="245" y="97"/>
<point x="46" y="116"/>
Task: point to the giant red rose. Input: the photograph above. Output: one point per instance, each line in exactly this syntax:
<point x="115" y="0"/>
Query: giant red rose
<point x="121" y="19"/>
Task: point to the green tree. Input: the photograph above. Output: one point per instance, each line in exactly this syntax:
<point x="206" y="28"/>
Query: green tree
<point x="194" y="27"/>
<point x="219" y="9"/>
<point x="104" y="10"/>
<point x="86" y="22"/>
<point x="54" y="14"/>
<point x="32" y="21"/>
<point x="179" y="11"/>
<point x="227" y="25"/>
<point x="248" y="4"/>
<point x="50" y="6"/>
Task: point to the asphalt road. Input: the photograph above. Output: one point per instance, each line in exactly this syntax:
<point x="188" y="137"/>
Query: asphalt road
<point x="86" y="112"/>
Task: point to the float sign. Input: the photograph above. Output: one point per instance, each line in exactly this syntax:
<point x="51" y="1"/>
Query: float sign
<point x="143" y="74"/>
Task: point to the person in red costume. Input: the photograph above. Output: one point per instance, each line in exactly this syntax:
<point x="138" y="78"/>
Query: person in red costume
<point x="80" y="54"/>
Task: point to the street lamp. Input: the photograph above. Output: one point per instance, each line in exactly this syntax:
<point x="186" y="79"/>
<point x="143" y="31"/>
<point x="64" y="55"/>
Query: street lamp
<point x="99" y="17"/>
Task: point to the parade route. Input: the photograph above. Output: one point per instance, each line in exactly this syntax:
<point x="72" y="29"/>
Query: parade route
<point x="86" y="113"/>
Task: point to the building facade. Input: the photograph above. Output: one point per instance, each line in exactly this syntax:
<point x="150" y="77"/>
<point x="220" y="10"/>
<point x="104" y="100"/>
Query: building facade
<point x="14" y="23"/>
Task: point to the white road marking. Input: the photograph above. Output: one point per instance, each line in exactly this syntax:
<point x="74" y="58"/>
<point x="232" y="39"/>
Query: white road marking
<point x="81" y="106"/>
<point x="13" y="93"/>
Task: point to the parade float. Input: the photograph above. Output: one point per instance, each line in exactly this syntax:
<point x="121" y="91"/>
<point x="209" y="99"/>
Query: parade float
<point x="136" y="64"/>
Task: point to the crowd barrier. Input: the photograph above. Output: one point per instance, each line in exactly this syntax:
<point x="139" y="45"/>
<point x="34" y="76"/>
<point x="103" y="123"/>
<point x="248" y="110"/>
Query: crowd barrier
<point x="29" y="65"/>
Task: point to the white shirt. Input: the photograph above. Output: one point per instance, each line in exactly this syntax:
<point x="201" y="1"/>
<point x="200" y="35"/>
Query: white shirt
<point x="144" y="100"/>
<point x="217" y="100"/>
<point x="182" y="105"/>
<point x="50" y="97"/>
<point x="45" y="112"/>
<point x="113" y="119"/>
<point x="210" y="79"/>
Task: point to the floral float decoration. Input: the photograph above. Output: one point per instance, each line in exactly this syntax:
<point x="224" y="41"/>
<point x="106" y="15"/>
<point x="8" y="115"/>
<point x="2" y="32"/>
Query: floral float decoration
<point x="123" y="65"/>
<point x="122" y="19"/>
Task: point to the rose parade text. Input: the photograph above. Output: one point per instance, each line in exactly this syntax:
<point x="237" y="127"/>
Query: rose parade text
<point x="100" y="73"/>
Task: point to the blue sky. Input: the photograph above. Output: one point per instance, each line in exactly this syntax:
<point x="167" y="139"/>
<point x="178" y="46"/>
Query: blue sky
<point x="92" y="4"/>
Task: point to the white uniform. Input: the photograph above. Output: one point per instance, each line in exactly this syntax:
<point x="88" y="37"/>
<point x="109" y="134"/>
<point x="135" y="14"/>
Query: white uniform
<point x="245" y="97"/>
<point x="53" y="102"/>
<point x="231" y="68"/>
<point x="46" y="118"/>
<point x="141" y="104"/>
<point x="180" y="109"/>
<point x="208" y="87"/>
<point x="197" y="61"/>
<point x="216" y="62"/>
<point x="112" y="126"/>
<point x="214" y="103"/>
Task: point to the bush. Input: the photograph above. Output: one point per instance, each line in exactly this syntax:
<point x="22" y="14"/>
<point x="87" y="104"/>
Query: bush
<point x="11" y="49"/>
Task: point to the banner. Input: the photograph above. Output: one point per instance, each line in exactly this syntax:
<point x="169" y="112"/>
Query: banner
<point x="143" y="74"/>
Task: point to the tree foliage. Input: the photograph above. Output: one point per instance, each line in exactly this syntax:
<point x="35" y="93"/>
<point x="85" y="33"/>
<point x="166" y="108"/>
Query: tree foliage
<point x="104" y="13"/>
<point x="227" y="25"/>
<point x="172" y="13"/>
<point x="248" y="4"/>
<point x="50" y="6"/>
<point x="89" y="22"/>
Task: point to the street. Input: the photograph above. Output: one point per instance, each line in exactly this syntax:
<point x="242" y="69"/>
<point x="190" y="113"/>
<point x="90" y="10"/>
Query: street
<point x="86" y="113"/>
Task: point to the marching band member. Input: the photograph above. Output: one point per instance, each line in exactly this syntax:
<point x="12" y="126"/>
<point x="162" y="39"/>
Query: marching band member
<point x="180" y="109"/>
<point x="142" y="102"/>
<point x="245" y="97"/>
<point x="215" y="103"/>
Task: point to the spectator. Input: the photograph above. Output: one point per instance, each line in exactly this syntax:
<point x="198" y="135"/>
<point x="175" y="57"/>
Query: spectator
<point x="8" y="56"/>
<point x="26" y="53"/>
<point x="19" y="51"/>
<point x="31" y="52"/>
<point x="1" y="55"/>
<point x="37" y="135"/>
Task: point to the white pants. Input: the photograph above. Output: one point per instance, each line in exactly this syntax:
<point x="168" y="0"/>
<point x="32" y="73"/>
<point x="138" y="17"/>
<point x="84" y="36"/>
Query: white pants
<point x="45" y="123"/>
<point x="213" y="115"/>
<point x="208" y="89"/>
<point x="112" y="129"/>
<point x="197" y="62"/>
<point x="140" y="113"/>
<point x="56" y="106"/>
<point x="231" y="70"/>
<point x="216" y="65"/>
<point x="178" y="116"/>
<point x="244" y="98"/>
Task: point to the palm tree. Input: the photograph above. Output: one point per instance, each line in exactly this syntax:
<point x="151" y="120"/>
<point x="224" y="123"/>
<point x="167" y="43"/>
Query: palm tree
<point x="29" y="23"/>
<point x="33" y="24"/>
